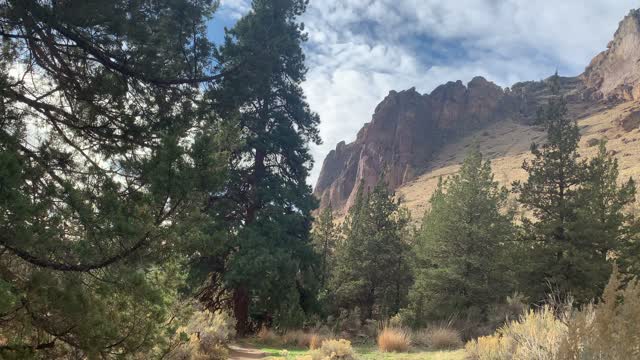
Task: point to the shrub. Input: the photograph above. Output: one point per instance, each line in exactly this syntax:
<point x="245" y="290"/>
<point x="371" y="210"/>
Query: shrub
<point x="393" y="340"/>
<point x="438" y="338"/>
<point x="205" y="337"/>
<point x="488" y="348"/>
<point x="268" y="336"/>
<point x="609" y="330"/>
<point x="334" y="350"/>
<point x="315" y="341"/>
<point x="536" y="336"/>
<point x="294" y="338"/>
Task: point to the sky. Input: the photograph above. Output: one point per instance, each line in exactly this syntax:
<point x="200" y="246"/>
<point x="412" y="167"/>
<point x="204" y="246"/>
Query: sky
<point x="359" y="50"/>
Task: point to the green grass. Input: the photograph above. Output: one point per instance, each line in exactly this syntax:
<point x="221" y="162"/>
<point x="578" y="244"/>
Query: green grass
<point x="372" y="353"/>
<point x="364" y="352"/>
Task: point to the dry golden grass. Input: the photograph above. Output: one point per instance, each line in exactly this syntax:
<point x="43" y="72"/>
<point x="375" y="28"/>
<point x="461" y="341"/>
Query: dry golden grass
<point x="297" y="338"/>
<point x="315" y="341"/>
<point x="536" y="336"/>
<point x="394" y="340"/>
<point x="609" y="330"/>
<point x="267" y="336"/>
<point x="438" y="338"/>
<point x="507" y="145"/>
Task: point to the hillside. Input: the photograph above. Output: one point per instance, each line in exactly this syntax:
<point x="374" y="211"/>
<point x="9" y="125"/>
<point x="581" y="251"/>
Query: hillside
<point x="413" y="139"/>
<point x="507" y="144"/>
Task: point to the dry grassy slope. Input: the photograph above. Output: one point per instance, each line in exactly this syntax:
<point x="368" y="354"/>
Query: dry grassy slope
<point x="507" y="144"/>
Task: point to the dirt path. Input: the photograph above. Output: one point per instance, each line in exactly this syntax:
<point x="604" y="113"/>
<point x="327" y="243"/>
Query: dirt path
<point x="240" y="352"/>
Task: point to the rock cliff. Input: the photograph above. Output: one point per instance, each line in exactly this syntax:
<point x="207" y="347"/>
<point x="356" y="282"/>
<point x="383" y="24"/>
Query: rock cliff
<point x="614" y="74"/>
<point x="408" y="129"/>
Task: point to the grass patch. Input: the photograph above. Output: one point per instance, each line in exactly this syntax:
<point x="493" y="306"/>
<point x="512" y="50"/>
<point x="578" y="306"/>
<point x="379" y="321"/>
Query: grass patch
<point x="363" y="352"/>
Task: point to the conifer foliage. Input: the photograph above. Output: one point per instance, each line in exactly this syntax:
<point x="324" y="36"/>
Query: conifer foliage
<point x="105" y="155"/>
<point x="461" y="246"/>
<point x="577" y="207"/>
<point x="270" y="254"/>
<point x="372" y="262"/>
<point x="326" y="236"/>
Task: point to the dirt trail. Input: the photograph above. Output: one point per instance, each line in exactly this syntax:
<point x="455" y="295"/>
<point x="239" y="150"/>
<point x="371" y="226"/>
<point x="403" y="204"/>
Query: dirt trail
<point x="241" y="352"/>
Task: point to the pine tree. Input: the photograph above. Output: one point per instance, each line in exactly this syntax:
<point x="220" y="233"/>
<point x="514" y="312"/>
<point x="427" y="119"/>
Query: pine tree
<point x="460" y="248"/>
<point x="325" y="237"/>
<point x="372" y="262"/>
<point x="105" y="157"/>
<point x="602" y="225"/>
<point x="577" y="210"/>
<point x="550" y="193"/>
<point x="268" y="261"/>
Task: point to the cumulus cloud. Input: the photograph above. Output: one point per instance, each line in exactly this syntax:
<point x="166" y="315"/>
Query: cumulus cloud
<point x="358" y="50"/>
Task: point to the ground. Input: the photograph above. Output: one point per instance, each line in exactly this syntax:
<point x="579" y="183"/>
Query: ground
<point x="250" y="349"/>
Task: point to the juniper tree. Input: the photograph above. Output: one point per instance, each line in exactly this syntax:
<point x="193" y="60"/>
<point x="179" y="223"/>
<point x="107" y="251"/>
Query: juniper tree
<point x="105" y="155"/>
<point x="460" y="248"/>
<point x="372" y="262"/>
<point x="269" y="257"/>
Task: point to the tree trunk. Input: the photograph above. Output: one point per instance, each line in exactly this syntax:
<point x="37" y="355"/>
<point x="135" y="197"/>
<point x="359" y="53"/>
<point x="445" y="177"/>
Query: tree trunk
<point x="241" y="294"/>
<point x="241" y="310"/>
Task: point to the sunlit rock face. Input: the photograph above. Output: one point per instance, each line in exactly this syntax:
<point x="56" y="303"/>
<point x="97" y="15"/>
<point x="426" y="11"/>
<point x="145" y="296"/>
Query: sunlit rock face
<point x="407" y="128"/>
<point x="405" y="131"/>
<point x="614" y="74"/>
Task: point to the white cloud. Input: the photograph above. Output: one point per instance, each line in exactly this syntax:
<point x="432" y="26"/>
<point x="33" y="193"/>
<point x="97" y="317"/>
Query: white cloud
<point x="234" y="9"/>
<point x="358" y="50"/>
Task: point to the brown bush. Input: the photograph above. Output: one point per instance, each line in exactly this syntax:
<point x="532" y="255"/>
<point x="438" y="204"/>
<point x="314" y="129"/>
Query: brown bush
<point x="268" y="336"/>
<point x="394" y="340"/>
<point x="438" y="338"/>
<point x="315" y="341"/>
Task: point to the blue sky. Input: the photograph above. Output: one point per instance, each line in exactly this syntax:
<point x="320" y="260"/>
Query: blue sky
<point x="359" y="50"/>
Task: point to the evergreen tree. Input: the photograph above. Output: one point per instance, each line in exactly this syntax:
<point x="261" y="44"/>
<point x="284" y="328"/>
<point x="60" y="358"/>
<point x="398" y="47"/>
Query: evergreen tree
<point x="602" y="224"/>
<point x="460" y="248"/>
<point x="106" y="154"/>
<point x="269" y="257"/>
<point x="577" y="209"/>
<point x="325" y="237"/>
<point x="550" y="193"/>
<point x="372" y="262"/>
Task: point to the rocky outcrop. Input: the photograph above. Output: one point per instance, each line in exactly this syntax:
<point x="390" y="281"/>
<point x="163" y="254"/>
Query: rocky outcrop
<point x="407" y="129"/>
<point x="630" y="121"/>
<point x="614" y="74"/>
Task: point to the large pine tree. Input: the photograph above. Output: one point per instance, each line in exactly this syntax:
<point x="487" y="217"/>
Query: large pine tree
<point x="372" y="262"/>
<point x="460" y="249"/>
<point x="269" y="255"/>
<point x="577" y="217"/>
<point x="550" y="194"/>
<point x="105" y="155"/>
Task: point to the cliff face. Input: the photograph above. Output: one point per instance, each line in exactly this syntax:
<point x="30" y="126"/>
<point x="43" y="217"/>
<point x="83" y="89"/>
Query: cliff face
<point x="614" y="74"/>
<point x="408" y="129"/>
